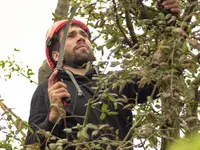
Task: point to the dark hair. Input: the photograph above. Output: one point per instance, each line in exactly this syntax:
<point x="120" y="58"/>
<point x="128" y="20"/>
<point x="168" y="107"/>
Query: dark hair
<point x="55" y="43"/>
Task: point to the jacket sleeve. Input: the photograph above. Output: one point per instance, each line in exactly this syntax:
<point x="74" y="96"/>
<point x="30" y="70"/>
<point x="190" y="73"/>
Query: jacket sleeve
<point x="139" y="95"/>
<point x="38" y="118"/>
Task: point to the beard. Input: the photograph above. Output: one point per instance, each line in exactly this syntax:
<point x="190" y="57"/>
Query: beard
<point x="79" y="60"/>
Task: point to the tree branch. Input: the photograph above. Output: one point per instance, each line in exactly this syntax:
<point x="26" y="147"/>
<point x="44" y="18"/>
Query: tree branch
<point x="119" y="26"/>
<point x="18" y="126"/>
<point x="130" y="26"/>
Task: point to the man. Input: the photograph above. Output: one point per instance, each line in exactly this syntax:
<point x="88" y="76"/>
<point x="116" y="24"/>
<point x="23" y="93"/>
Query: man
<point x="50" y="112"/>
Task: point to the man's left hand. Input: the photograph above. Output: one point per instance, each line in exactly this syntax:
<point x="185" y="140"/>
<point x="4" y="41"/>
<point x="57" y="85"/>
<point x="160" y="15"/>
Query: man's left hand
<point x="172" y="5"/>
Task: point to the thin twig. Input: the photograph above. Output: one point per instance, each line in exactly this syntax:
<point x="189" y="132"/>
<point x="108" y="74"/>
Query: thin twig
<point x="129" y="133"/>
<point x="87" y="113"/>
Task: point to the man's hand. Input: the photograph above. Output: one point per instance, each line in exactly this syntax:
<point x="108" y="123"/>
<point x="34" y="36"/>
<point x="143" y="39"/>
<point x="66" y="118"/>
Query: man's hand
<point x="171" y="5"/>
<point x="56" y="91"/>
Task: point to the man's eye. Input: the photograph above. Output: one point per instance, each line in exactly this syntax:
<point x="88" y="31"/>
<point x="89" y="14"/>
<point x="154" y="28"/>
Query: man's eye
<point x="70" y="35"/>
<point x="85" y="34"/>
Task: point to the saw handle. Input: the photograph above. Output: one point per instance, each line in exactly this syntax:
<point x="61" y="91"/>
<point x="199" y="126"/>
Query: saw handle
<point x="65" y="100"/>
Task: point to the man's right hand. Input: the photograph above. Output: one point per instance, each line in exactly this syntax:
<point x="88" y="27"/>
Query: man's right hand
<point x="56" y="91"/>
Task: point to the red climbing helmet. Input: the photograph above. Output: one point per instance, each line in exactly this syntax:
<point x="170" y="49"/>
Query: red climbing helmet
<point x="51" y="33"/>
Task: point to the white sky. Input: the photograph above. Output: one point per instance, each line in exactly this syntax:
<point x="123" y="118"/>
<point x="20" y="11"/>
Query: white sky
<point x="23" y="26"/>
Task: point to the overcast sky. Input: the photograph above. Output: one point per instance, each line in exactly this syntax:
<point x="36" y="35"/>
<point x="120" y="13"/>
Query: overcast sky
<point x="23" y="26"/>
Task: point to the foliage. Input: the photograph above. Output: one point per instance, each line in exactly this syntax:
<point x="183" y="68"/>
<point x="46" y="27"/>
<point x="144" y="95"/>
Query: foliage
<point x="12" y="126"/>
<point x="162" y="49"/>
<point x="155" y="47"/>
<point x="10" y="65"/>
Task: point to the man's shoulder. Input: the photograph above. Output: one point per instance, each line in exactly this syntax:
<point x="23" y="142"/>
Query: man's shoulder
<point x="44" y="83"/>
<point x="42" y="87"/>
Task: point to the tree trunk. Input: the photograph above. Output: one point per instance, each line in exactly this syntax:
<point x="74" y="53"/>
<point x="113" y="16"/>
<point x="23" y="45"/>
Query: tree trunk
<point x="61" y="12"/>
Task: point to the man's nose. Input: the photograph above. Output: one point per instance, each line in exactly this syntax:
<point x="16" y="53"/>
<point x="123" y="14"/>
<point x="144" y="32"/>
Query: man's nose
<point x="80" y="38"/>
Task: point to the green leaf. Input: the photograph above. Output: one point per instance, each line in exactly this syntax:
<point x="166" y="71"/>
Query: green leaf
<point x="2" y="64"/>
<point x="161" y="16"/>
<point x="30" y="72"/>
<point x="104" y="107"/>
<point x="52" y="145"/>
<point x="10" y="63"/>
<point x="115" y="105"/>
<point x="17" y="67"/>
<point x="111" y="98"/>
<point x="110" y="113"/>
<point x="122" y="85"/>
<point x="83" y="135"/>
<point x="115" y="63"/>
<point x="114" y="143"/>
<point x="95" y="133"/>
<point x="193" y="68"/>
<point x="168" y="16"/>
<point x="99" y="48"/>
<point x="103" y="116"/>
<point x="110" y="43"/>
<point x="191" y="119"/>
<point x="9" y="117"/>
<point x="16" y="50"/>
<point x="68" y="130"/>
<point x="8" y="76"/>
<point x="5" y="145"/>
<point x="184" y="48"/>
<point x="46" y="148"/>
<point x="117" y="132"/>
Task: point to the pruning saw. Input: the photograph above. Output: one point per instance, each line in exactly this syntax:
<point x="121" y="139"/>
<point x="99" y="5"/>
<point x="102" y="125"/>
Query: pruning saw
<point x="59" y="64"/>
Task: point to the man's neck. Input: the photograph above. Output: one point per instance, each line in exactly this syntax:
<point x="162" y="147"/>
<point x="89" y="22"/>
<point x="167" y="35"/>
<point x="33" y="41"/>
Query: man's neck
<point x="77" y="71"/>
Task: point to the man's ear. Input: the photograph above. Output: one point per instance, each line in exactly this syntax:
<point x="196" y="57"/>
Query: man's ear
<point x="55" y="55"/>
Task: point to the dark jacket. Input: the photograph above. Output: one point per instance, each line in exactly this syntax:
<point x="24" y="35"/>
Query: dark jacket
<point x="39" y="109"/>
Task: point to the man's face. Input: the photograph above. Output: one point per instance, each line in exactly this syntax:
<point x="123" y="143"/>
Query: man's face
<point x="78" y="48"/>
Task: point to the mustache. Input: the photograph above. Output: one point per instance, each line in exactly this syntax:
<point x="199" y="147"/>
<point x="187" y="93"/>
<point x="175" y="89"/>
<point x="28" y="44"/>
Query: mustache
<point x="81" y="45"/>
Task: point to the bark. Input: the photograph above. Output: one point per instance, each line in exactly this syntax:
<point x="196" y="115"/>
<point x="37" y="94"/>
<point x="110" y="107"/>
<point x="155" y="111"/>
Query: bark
<point x="43" y="72"/>
<point x="62" y="9"/>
